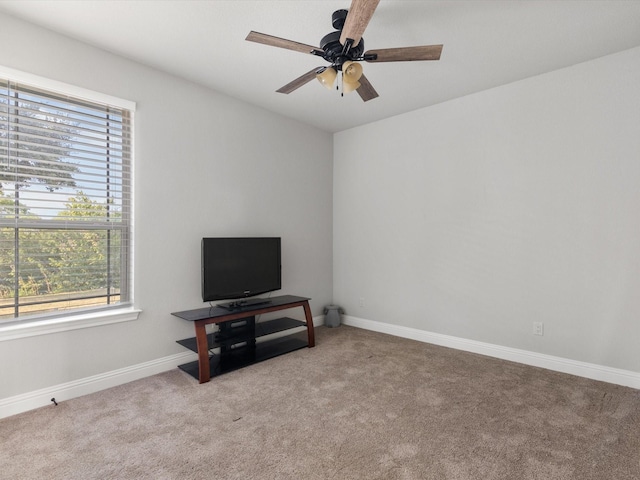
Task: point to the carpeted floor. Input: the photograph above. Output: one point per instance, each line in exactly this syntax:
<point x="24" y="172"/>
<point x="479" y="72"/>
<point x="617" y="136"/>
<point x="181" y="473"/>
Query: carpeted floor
<point x="361" y="405"/>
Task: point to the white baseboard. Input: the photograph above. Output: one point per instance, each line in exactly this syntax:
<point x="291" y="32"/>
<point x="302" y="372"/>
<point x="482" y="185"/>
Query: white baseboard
<point x="581" y="369"/>
<point x="66" y="391"/>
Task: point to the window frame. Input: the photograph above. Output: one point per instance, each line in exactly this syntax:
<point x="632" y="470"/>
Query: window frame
<point x="45" y="323"/>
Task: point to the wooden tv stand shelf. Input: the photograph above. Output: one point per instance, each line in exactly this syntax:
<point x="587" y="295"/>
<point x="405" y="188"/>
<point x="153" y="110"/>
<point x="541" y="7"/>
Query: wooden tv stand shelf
<point x="237" y="335"/>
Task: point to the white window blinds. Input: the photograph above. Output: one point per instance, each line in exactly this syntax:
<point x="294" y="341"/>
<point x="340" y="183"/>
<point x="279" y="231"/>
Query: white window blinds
<point x="65" y="202"/>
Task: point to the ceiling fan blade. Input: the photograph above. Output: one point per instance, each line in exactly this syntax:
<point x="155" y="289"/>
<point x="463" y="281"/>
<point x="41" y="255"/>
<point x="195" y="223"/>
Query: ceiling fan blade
<point x="406" y="54"/>
<point x="300" y="81"/>
<point x="279" y="42"/>
<point x="357" y="20"/>
<point x="366" y="90"/>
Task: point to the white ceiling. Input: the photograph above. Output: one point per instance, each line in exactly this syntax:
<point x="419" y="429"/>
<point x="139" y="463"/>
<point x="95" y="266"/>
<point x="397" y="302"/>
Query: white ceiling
<point x="486" y="44"/>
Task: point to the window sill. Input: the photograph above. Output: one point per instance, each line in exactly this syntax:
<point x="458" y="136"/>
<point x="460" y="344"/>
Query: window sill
<point x="63" y="324"/>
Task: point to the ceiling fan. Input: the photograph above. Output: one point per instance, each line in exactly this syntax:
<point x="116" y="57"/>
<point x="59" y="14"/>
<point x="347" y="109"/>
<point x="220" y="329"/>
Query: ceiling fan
<point x="344" y="49"/>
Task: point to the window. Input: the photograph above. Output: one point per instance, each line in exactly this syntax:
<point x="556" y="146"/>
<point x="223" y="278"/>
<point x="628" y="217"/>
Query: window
<point x="65" y="202"/>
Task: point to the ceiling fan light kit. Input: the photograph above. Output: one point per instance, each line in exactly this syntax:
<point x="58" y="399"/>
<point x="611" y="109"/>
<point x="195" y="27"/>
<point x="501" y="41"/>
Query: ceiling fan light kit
<point x="352" y="70"/>
<point x="344" y="49"/>
<point x="327" y="77"/>
<point x="349" y="86"/>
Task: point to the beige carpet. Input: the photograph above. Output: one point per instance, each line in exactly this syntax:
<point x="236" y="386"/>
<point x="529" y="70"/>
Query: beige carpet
<point x="361" y="405"/>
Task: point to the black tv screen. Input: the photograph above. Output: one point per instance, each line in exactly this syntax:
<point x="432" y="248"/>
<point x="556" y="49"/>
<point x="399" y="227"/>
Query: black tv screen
<point x="240" y="267"/>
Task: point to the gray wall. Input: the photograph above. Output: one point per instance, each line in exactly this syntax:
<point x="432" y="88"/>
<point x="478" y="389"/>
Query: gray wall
<point x="205" y="165"/>
<point x="476" y="217"/>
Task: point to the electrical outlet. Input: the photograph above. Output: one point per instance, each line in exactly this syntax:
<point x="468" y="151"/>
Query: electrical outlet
<point x="538" y="328"/>
<point x="361" y="301"/>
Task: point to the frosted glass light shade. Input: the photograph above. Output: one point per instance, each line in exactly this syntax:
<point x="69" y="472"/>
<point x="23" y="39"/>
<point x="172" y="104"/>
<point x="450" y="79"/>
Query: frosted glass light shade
<point x="349" y="85"/>
<point x="352" y="71"/>
<point x="327" y="78"/>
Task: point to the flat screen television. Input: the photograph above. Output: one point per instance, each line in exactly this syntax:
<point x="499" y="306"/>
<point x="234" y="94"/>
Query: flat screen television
<point x="240" y="267"/>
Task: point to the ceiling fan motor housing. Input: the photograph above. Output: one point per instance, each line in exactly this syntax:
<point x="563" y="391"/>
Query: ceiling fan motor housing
<point x="333" y="49"/>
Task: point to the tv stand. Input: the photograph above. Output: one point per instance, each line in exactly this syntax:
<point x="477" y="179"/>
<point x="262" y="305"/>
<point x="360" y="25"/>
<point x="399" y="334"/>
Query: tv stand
<point x="238" y="331"/>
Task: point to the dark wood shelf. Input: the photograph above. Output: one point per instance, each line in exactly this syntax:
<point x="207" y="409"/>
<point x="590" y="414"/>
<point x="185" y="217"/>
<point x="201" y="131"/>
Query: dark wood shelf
<point x="245" y="356"/>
